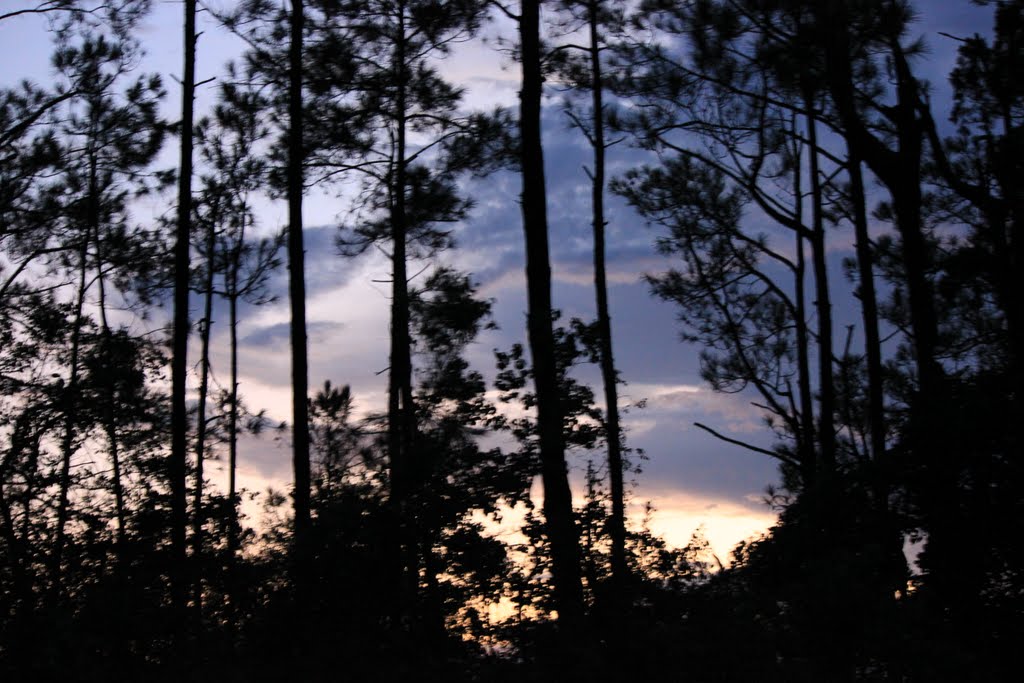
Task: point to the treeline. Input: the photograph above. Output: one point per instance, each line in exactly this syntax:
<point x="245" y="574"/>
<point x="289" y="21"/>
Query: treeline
<point x="778" y="134"/>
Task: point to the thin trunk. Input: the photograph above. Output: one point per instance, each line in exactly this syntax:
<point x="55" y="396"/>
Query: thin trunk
<point x="401" y="415"/>
<point x="807" y="457"/>
<point x="92" y="220"/>
<point x="869" y="313"/>
<point x="110" y="423"/>
<point x="558" y="513"/>
<point x="179" y="415"/>
<point x="889" y="535"/>
<point x="233" y="432"/>
<point x="617" y="522"/>
<point x="109" y="419"/>
<point x="905" y="186"/>
<point x="15" y="555"/>
<point x="70" y="399"/>
<point x="823" y="307"/>
<point x="231" y="289"/>
<point x="929" y="432"/>
<point x="953" y="582"/>
<point x="204" y="385"/>
<point x="232" y="451"/>
<point x="109" y="414"/>
<point x="899" y="170"/>
<point x="297" y="295"/>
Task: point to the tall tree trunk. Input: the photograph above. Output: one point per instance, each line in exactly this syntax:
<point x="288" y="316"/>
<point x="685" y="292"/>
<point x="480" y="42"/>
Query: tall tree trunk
<point x="70" y="399"/>
<point x="232" y="289"/>
<point x="22" y="608"/>
<point x="109" y="417"/>
<point x="889" y="536"/>
<point x="806" y="448"/>
<point x="297" y="295"/>
<point x="558" y="512"/>
<point x="869" y="312"/>
<point x="179" y="415"/>
<point x="92" y="221"/>
<point x="617" y="522"/>
<point x="204" y="385"/>
<point x="953" y="582"/>
<point x="401" y="412"/>
<point x="15" y="556"/>
<point x="823" y="306"/>
<point x="899" y="170"/>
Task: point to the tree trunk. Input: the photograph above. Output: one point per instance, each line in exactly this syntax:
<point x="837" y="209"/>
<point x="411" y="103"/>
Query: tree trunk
<point x="179" y="415"/>
<point x="558" y="512"/>
<point x="297" y="295"/>
<point x="823" y="306"/>
<point x="806" y="441"/>
<point x="109" y="417"/>
<point x="70" y="400"/>
<point x="204" y="385"/>
<point x="401" y="412"/>
<point x="869" y="311"/>
<point x="233" y="437"/>
<point x="890" y="538"/>
<point x="617" y="522"/>
<point x="899" y="170"/>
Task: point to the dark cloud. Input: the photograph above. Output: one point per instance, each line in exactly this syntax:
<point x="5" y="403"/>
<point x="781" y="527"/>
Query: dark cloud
<point x="278" y="335"/>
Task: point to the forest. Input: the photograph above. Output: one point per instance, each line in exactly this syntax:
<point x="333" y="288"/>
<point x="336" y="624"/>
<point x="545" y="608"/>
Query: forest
<point x="836" y="195"/>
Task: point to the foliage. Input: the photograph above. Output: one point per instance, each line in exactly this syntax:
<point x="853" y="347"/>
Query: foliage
<point x="766" y="131"/>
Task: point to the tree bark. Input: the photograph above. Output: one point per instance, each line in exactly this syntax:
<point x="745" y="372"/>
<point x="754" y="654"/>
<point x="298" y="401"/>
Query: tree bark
<point x="109" y="417"/>
<point x="823" y="306"/>
<point x="401" y="411"/>
<point x="297" y="295"/>
<point x="558" y="512"/>
<point x="617" y="521"/>
<point x="70" y="400"/>
<point x="869" y="309"/>
<point x="806" y="441"/>
<point x="900" y="170"/>
<point x="232" y="289"/>
<point x="204" y="385"/>
<point x="179" y="415"/>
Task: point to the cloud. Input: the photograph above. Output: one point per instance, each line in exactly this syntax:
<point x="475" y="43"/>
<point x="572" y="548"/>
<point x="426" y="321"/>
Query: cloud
<point x="678" y="514"/>
<point x="688" y="401"/>
<point x="278" y="336"/>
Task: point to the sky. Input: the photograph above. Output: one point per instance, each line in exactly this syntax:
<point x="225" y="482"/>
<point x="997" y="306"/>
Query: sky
<point x="692" y="479"/>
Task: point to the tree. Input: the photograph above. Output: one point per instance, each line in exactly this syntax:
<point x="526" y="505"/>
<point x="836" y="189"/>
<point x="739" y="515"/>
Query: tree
<point x="388" y="92"/>
<point x="558" y="513"/>
<point x="108" y="139"/>
<point x="297" y="297"/>
<point x="236" y="172"/>
<point x="179" y="367"/>
<point x="748" y="150"/>
<point x="598" y="19"/>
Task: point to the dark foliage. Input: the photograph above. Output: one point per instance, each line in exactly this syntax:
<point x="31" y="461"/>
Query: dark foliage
<point x="413" y="546"/>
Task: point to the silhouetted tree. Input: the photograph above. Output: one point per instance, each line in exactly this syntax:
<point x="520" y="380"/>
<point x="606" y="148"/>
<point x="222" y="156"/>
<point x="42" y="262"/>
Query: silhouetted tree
<point x="558" y="514"/>
<point x="235" y="174"/>
<point x="598" y="19"/>
<point x="390" y="121"/>
<point x="179" y="367"/>
<point x="297" y="297"/>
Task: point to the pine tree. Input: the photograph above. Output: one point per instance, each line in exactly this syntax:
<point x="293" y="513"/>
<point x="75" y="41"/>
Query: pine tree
<point x="558" y="512"/>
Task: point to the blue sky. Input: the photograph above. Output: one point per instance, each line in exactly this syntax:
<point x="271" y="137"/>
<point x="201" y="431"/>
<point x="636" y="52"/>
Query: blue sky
<point x="691" y="477"/>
